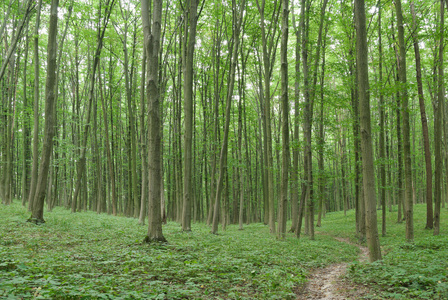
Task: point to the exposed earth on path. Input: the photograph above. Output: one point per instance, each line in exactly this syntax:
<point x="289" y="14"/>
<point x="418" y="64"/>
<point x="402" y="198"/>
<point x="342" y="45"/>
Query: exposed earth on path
<point x="329" y="282"/>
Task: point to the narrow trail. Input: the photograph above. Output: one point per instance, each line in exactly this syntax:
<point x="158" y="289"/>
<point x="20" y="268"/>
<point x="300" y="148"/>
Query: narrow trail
<point x="328" y="283"/>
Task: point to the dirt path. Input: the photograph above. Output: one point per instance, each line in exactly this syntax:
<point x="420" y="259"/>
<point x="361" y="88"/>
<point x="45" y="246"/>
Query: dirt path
<point x="328" y="283"/>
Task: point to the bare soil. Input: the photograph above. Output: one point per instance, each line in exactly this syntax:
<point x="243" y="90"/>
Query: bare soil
<point x="329" y="282"/>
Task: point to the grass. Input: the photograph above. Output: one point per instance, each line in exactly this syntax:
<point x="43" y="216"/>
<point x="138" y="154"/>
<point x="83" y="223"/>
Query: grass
<point x="91" y="256"/>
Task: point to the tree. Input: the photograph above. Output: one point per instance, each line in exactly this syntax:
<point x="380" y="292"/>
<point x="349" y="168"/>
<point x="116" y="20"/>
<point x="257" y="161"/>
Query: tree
<point x="269" y="42"/>
<point x="35" y="166"/>
<point x="188" y="111"/>
<point x="438" y="126"/>
<point x="382" y="149"/>
<point x="16" y="37"/>
<point x="282" y="203"/>
<point x="424" y="120"/>
<point x="152" y="34"/>
<point x="409" y="215"/>
<point x="238" y="19"/>
<point x="37" y="214"/>
<point x="366" y="138"/>
<point x="82" y="159"/>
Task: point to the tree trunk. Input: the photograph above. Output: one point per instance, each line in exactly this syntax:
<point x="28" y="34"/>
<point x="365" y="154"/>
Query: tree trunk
<point x="143" y="141"/>
<point x="421" y="100"/>
<point x="268" y="55"/>
<point x="366" y="138"/>
<point x="152" y="45"/>
<point x="283" y="202"/>
<point x="382" y="153"/>
<point x="223" y="155"/>
<point x="35" y="166"/>
<point x="82" y="159"/>
<point x="17" y="36"/>
<point x="409" y="214"/>
<point x="295" y="150"/>
<point x="37" y="215"/>
<point x="188" y="114"/>
<point x="438" y="126"/>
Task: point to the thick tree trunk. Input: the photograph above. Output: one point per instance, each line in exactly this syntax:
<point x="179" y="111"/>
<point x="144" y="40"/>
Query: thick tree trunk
<point x="152" y="46"/>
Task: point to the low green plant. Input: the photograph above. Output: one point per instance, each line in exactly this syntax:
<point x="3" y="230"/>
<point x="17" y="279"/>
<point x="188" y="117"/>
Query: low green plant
<point x="97" y="256"/>
<point x="417" y="270"/>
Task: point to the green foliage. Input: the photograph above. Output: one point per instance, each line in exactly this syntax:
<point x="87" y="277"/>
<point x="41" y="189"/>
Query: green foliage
<point x="86" y="255"/>
<point x="407" y="271"/>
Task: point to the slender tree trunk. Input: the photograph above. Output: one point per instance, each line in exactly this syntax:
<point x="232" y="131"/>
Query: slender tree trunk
<point x="382" y="152"/>
<point x="143" y="141"/>
<point x="35" y="166"/>
<point x="110" y="162"/>
<point x="295" y="150"/>
<point x="321" y="141"/>
<point x="283" y="202"/>
<point x="240" y="169"/>
<point x="16" y="37"/>
<point x="37" y="215"/>
<point x="438" y="126"/>
<point x="223" y="155"/>
<point x="188" y="113"/>
<point x="307" y="112"/>
<point x="366" y="139"/>
<point x="267" y="46"/>
<point x="409" y="214"/>
<point x="82" y="160"/>
<point x="133" y="200"/>
<point x="26" y="159"/>
<point x="421" y="100"/>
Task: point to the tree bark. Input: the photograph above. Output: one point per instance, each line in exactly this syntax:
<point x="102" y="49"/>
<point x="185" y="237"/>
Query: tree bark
<point x="152" y="45"/>
<point x="438" y="126"/>
<point x="223" y="154"/>
<point x="82" y="159"/>
<point x="283" y="202"/>
<point x="366" y="138"/>
<point x="37" y="215"/>
<point x="382" y="152"/>
<point x="17" y="37"/>
<point x="421" y="100"/>
<point x="188" y="114"/>
<point x="35" y="166"/>
<point x="267" y="46"/>
<point x="143" y="141"/>
<point x="409" y="211"/>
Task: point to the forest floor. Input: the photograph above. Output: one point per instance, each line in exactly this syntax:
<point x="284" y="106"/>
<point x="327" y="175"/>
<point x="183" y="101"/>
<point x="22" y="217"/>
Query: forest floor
<point x="329" y="283"/>
<point x="98" y="256"/>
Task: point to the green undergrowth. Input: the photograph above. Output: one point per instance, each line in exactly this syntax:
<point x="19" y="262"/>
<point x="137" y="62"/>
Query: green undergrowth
<point x="417" y="270"/>
<point x="90" y="256"/>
